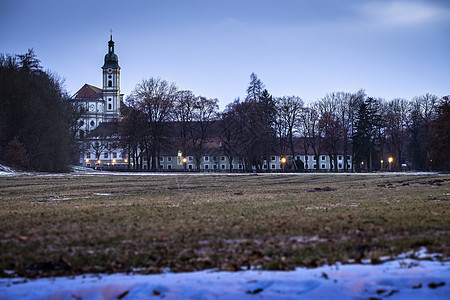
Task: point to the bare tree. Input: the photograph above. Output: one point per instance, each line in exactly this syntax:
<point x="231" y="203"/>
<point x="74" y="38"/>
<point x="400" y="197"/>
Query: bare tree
<point x="204" y="114"/>
<point x="184" y="114"/>
<point x="155" y="98"/>
<point x="396" y="125"/>
<point x="289" y="110"/>
<point x="309" y="128"/>
<point x="422" y="113"/>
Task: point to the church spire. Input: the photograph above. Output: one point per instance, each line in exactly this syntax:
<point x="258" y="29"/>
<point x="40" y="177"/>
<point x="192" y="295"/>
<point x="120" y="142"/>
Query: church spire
<point x="111" y="59"/>
<point x="111" y="44"/>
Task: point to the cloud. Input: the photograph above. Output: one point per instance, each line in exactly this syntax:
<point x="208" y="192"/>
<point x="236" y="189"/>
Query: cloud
<point x="403" y="13"/>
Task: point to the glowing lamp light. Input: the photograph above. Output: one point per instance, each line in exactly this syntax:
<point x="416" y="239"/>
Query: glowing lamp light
<point x="283" y="160"/>
<point x="113" y="161"/>
<point x="99" y="161"/>
<point x="184" y="159"/>
<point x="87" y="160"/>
<point x="390" y="159"/>
<point x="125" y="160"/>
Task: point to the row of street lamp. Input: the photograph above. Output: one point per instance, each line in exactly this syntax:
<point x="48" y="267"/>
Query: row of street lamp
<point x="390" y="160"/>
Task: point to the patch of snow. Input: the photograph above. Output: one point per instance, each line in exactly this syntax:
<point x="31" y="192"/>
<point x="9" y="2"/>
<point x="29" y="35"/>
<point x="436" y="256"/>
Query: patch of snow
<point x="421" y="280"/>
<point x="6" y="169"/>
<point x="102" y="194"/>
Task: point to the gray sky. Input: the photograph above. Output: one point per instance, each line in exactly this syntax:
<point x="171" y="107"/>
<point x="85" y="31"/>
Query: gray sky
<point x="303" y="48"/>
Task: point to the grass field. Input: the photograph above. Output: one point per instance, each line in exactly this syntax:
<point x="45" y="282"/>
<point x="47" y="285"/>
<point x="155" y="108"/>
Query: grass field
<point x="73" y="224"/>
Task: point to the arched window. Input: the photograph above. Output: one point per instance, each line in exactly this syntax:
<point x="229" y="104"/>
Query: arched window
<point x="110" y="83"/>
<point x="92" y="123"/>
<point x="109" y="106"/>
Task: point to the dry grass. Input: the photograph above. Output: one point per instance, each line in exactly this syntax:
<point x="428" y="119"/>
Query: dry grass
<point x="55" y="225"/>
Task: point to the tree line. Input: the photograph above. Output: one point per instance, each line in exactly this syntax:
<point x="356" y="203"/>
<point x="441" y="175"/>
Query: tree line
<point x="36" y="116"/>
<point x="414" y="133"/>
<point x="38" y="124"/>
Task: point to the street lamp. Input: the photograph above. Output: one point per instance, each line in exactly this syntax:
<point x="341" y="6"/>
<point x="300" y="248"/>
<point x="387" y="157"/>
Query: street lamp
<point x="283" y="162"/>
<point x="381" y="161"/>
<point x="184" y="162"/>
<point x="390" y="160"/>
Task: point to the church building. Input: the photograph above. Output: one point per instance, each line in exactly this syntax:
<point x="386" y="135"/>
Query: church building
<point x="100" y="112"/>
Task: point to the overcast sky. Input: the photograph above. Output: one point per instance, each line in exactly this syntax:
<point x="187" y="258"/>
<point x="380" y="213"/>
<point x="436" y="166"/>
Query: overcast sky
<point x="303" y="48"/>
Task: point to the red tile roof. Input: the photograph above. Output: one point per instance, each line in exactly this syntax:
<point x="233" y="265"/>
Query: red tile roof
<point x="88" y="92"/>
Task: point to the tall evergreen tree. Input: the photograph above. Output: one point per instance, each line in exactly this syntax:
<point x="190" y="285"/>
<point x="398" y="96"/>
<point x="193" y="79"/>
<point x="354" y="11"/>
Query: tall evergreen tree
<point x="438" y="142"/>
<point x="255" y="89"/>
<point x="367" y="135"/>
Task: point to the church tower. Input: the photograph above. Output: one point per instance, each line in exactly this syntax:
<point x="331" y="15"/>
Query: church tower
<point x="111" y="84"/>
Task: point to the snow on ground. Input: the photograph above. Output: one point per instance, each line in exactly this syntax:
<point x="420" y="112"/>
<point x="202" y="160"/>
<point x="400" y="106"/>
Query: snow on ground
<point x="79" y="170"/>
<point x="4" y="170"/>
<point x="398" y="279"/>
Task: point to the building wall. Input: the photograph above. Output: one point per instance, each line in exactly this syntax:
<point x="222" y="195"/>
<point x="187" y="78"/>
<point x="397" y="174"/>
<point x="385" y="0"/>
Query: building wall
<point x="116" y="158"/>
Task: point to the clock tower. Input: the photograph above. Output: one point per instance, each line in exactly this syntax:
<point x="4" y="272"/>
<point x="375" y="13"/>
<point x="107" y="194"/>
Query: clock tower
<point x="111" y="84"/>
